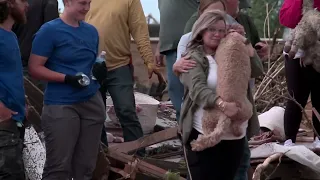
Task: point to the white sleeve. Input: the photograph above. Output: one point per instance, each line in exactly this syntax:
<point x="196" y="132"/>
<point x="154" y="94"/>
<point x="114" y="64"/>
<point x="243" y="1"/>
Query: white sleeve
<point x="182" y="46"/>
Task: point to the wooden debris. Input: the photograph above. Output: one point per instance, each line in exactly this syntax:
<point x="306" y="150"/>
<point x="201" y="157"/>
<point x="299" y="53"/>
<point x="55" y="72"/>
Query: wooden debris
<point x="35" y="103"/>
<point x="142" y="166"/>
<point x="115" y="154"/>
<point x="146" y="141"/>
<point x="124" y="174"/>
<point x="132" y="169"/>
<point x="102" y="166"/>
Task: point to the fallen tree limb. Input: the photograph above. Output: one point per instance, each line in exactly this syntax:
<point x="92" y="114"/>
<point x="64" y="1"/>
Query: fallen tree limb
<point x="261" y="167"/>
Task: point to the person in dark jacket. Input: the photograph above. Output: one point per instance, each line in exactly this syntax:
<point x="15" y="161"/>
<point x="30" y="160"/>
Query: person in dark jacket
<point x="300" y="80"/>
<point x="39" y="12"/>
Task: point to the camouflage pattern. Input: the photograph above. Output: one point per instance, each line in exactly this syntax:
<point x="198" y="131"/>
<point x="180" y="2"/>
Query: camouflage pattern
<point x="11" y="145"/>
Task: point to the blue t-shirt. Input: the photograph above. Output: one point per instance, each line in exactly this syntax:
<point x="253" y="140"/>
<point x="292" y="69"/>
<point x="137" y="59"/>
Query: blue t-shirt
<point x="69" y="50"/>
<point x="11" y="76"/>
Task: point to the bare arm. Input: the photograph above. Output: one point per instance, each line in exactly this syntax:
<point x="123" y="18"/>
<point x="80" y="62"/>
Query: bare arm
<point x="38" y="71"/>
<point x="183" y="64"/>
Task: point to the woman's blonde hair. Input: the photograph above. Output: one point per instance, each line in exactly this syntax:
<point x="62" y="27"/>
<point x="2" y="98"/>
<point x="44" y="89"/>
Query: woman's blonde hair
<point x="202" y="24"/>
<point x="204" y="4"/>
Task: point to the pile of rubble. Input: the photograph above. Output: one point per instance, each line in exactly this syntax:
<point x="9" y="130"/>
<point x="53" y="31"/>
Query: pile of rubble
<point x="163" y="149"/>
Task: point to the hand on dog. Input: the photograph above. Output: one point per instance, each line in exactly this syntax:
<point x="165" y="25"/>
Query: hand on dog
<point x="262" y="49"/>
<point x="231" y="109"/>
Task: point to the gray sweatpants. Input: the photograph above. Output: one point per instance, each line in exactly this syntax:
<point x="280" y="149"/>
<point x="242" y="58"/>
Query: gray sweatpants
<point x="72" y="137"/>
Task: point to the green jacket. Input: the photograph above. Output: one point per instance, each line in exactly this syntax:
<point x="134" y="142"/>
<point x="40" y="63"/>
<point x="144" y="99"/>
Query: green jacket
<point x="197" y="92"/>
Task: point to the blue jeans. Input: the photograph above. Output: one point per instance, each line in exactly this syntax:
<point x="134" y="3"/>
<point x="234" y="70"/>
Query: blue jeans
<point x="175" y="89"/>
<point x="245" y="164"/>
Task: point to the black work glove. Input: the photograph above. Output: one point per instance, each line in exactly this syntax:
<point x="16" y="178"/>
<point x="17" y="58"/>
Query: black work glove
<point x="99" y="71"/>
<point x="73" y="81"/>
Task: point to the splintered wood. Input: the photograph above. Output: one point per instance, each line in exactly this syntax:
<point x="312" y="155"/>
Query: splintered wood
<point x="149" y="140"/>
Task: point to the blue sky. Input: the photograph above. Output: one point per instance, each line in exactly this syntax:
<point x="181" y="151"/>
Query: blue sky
<point x="149" y="7"/>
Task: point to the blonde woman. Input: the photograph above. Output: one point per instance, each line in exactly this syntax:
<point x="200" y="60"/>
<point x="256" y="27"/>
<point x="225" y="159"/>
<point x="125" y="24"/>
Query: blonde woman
<point x="221" y="161"/>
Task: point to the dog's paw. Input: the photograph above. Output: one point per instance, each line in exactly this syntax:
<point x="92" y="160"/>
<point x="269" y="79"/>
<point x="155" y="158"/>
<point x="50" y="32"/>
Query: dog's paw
<point x="199" y="144"/>
<point x="200" y="137"/>
<point x="196" y="146"/>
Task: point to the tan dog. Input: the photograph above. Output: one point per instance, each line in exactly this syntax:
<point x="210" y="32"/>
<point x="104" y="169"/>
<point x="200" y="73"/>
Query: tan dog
<point x="306" y="36"/>
<point x="234" y="72"/>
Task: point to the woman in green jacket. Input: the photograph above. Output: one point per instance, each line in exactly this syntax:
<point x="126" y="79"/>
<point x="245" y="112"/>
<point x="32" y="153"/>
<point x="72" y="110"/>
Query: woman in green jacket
<point x="222" y="160"/>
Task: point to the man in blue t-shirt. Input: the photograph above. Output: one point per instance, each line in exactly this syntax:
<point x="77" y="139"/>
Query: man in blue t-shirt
<point x="73" y="111"/>
<point x="12" y="99"/>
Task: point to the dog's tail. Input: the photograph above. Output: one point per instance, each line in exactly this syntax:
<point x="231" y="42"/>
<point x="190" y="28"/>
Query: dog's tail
<point x="212" y="139"/>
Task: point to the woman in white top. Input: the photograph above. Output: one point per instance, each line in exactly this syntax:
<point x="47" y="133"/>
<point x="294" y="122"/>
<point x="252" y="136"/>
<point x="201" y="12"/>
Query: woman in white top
<point x="222" y="160"/>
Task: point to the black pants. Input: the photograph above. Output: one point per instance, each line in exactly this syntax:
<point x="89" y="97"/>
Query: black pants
<point x="301" y="81"/>
<point x="119" y="84"/>
<point x="104" y="139"/>
<point x="11" y="146"/>
<point x="220" y="162"/>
